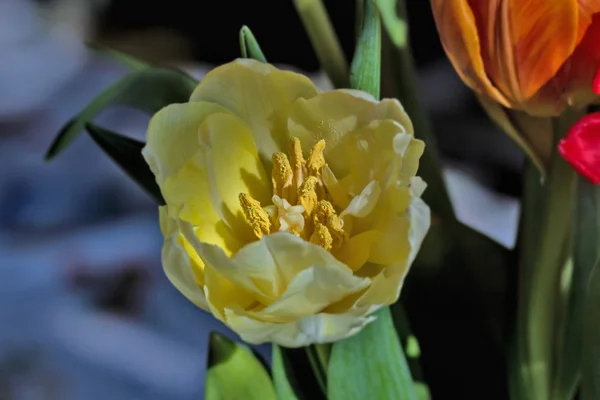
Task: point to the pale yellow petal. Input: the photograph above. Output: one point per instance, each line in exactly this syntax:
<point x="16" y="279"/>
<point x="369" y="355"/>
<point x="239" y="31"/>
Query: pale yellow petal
<point x="333" y="115"/>
<point x="266" y="267"/>
<point x="258" y="93"/>
<point x="318" y="328"/>
<point x="233" y="167"/>
<point x="356" y="251"/>
<point x="311" y="290"/>
<point x="183" y="267"/>
<point x="172" y="136"/>
<point x="188" y="194"/>
<point x="365" y="202"/>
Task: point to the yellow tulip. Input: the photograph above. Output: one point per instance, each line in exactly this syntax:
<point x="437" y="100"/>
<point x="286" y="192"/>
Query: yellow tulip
<point x="291" y="214"/>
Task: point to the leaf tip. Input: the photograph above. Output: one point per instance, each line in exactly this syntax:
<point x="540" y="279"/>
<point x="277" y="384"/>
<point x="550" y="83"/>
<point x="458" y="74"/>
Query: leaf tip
<point x="220" y="348"/>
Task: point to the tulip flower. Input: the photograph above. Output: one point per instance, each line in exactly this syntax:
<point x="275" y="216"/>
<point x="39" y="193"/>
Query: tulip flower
<point x="525" y="59"/>
<point x="291" y="214"/>
<point x="531" y="55"/>
<point x="581" y="147"/>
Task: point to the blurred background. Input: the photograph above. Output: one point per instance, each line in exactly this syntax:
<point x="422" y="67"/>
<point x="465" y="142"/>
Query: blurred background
<point x="87" y="311"/>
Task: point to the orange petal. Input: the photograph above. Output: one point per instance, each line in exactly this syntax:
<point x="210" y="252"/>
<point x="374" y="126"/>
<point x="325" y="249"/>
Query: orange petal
<point x="458" y="32"/>
<point x="544" y="35"/>
<point x="584" y="65"/>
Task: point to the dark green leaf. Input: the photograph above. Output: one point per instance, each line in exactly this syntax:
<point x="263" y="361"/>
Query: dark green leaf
<point x="127" y="154"/>
<point x="370" y="365"/>
<point x="581" y="358"/>
<point x="407" y="91"/>
<point x="365" y="73"/>
<point x="249" y="46"/>
<point x="590" y="366"/>
<point x="128" y="61"/>
<point x="407" y="338"/>
<point x="234" y="372"/>
<point x="148" y="90"/>
<point x="461" y="280"/>
<point x="282" y="385"/>
<point x="324" y="40"/>
<point x="294" y="375"/>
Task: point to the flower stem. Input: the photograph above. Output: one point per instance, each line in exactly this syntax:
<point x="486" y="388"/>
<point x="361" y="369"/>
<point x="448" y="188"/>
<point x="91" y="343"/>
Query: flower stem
<point x="317" y="366"/>
<point x="436" y="195"/>
<point x="544" y="259"/>
<point x="324" y="40"/>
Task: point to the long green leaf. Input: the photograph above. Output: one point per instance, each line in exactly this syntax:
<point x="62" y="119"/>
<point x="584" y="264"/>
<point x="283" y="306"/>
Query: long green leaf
<point x="128" y="61"/>
<point x="590" y="384"/>
<point x="370" y="365"/>
<point x="127" y="154"/>
<point x="586" y="252"/>
<point x="406" y="79"/>
<point x="294" y="376"/>
<point x="324" y="40"/>
<point x="282" y="384"/>
<point x="365" y="73"/>
<point x="235" y="373"/>
<point x="148" y="90"/>
<point x="582" y="342"/>
<point x="249" y="46"/>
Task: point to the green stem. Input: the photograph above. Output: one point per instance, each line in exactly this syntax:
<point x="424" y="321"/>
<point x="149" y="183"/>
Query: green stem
<point x="546" y="260"/>
<point x="436" y="196"/>
<point x="324" y="40"/>
<point x="365" y="73"/>
<point x="317" y="367"/>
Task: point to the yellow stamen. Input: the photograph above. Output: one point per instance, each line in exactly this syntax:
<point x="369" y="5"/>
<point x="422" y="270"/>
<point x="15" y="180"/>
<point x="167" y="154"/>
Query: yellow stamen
<point x="326" y="215"/>
<point x="298" y="167"/>
<point x="307" y="195"/>
<point x="257" y="218"/>
<point x="322" y="237"/>
<point x="281" y="175"/>
<point x="316" y="159"/>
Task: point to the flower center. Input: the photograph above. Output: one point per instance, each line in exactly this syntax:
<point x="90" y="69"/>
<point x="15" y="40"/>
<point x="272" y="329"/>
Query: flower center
<point x="300" y="200"/>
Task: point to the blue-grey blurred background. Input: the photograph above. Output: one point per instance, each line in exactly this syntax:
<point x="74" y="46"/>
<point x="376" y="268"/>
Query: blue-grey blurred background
<point x="87" y="312"/>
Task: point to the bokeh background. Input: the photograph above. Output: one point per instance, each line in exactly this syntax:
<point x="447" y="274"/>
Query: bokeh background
<point x="87" y="312"/>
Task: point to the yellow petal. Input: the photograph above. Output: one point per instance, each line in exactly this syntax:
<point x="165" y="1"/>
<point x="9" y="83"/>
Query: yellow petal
<point x="172" y="136"/>
<point x="356" y="251"/>
<point x="310" y="291"/>
<point x="333" y="115"/>
<point x="188" y="194"/>
<point x="183" y="267"/>
<point x="258" y="93"/>
<point x="233" y="166"/>
<point x="365" y="202"/>
<point x="266" y="267"/>
<point x="319" y="328"/>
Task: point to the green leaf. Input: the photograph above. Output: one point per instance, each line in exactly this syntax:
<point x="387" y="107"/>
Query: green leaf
<point x="324" y="40"/>
<point x="128" y="61"/>
<point x="148" y="90"/>
<point x="235" y="373"/>
<point x="282" y="384"/>
<point x="396" y="27"/>
<point x="127" y="154"/>
<point x="249" y="46"/>
<point x="461" y="278"/>
<point x="585" y="254"/>
<point x="370" y="365"/>
<point x="407" y="91"/>
<point x="590" y="384"/>
<point x="365" y="73"/>
<point x="581" y="358"/>
<point x="294" y="375"/>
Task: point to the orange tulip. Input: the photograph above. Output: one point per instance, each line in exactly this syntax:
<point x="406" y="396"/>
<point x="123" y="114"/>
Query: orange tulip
<point x="537" y="56"/>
